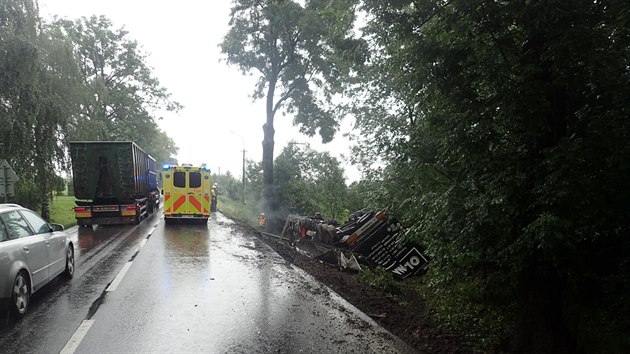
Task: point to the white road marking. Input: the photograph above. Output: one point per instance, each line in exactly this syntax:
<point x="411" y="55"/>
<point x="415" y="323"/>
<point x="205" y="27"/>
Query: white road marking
<point x="119" y="277"/>
<point x="77" y="337"/>
<point x="142" y="243"/>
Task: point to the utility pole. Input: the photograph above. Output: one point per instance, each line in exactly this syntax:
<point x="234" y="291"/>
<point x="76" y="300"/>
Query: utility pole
<point x="243" y="172"/>
<point x="243" y="141"/>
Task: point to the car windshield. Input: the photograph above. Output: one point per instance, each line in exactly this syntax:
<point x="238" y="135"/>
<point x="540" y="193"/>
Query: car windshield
<point x="40" y="226"/>
<point x="16" y="224"/>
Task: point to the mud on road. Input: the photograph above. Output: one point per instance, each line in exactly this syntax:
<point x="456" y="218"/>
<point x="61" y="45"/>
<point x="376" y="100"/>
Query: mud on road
<point x="406" y="317"/>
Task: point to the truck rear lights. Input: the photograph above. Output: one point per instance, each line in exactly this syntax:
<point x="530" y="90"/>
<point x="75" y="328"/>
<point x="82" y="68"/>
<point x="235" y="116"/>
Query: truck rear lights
<point x="130" y="207"/>
<point x="79" y="209"/>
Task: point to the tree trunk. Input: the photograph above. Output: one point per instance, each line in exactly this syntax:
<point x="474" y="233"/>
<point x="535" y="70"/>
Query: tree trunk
<point x="269" y="195"/>
<point x="268" y="191"/>
<point x="43" y="170"/>
<point x="540" y="321"/>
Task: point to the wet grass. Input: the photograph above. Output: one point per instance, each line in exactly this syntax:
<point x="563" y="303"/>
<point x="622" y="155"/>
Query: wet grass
<point x="236" y="210"/>
<point x="61" y="211"/>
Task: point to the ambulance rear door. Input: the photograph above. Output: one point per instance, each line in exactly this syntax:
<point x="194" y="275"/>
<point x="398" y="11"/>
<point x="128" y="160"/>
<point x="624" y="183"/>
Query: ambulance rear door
<point x="194" y="192"/>
<point x="179" y="191"/>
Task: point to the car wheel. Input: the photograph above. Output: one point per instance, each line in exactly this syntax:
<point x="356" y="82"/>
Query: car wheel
<point x="69" y="272"/>
<point x="21" y="294"/>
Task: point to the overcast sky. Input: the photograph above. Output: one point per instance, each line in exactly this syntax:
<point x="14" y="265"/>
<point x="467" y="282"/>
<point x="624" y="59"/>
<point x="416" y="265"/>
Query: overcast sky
<point x="181" y="39"/>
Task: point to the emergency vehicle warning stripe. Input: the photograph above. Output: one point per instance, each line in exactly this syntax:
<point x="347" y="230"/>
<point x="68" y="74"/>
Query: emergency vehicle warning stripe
<point x="181" y="200"/>
<point x="206" y="197"/>
<point x="194" y="202"/>
<point x="167" y="203"/>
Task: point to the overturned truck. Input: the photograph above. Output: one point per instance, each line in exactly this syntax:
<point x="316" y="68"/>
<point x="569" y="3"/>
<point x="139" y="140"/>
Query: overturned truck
<point x="375" y="237"/>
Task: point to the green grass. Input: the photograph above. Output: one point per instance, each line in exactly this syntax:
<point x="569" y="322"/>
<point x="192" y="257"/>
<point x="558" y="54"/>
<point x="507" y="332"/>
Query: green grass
<point x="61" y="211"/>
<point x="236" y="209"/>
<point x="381" y="279"/>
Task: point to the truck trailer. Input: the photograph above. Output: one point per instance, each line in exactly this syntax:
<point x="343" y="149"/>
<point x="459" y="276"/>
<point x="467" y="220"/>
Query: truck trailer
<point x="114" y="182"/>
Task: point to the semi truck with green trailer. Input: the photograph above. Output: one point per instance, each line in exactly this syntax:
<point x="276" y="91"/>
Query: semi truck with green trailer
<point x="114" y="182"/>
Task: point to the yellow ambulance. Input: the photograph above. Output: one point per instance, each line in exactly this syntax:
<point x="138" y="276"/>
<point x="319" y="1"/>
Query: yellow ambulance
<point x="187" y="192"/>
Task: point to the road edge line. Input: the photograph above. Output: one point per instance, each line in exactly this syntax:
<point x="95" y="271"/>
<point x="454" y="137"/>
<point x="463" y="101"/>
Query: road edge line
<point x="77" y="337"/>
<point x="119" y="277"/>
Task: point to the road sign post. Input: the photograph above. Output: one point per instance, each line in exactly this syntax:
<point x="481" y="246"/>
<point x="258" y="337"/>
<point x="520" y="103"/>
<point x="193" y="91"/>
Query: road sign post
<point x="8" y="178"/>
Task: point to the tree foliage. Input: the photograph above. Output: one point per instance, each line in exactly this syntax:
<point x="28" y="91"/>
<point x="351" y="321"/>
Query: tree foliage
<point x="309" y="181"/>
<point x="504" y="130"/>
<point x="302" y="54"/>
<point x="37" y="87"/>
<point x="120" y="94"/>
<point x="69" y="80"/>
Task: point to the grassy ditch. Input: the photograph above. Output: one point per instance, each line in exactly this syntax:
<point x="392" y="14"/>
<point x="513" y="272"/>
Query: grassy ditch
<point x="381" y="279"/>
<point x="61" y="211"/>
<point x="238" y="210"/>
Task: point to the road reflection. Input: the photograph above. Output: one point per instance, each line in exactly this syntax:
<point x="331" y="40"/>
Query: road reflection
<point x="186" y="241"/>
<point x="186" y="258"/>
<point x="92" y="237"/>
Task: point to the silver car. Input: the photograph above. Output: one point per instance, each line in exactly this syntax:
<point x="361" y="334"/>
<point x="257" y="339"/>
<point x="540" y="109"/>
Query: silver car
<point x="32" y="252"/>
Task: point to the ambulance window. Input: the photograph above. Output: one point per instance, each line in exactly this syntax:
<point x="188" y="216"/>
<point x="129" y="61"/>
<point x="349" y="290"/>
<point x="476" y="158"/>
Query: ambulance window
<point x="194" y="179"/>
<point x="179" y="179"/>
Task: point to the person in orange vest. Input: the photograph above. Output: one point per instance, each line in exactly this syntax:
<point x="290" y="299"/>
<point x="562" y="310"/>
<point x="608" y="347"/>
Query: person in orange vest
<point x="262" y="221"/>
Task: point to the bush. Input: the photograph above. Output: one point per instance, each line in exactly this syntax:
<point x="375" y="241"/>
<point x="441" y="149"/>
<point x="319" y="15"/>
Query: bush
<point x="381" y="279"/>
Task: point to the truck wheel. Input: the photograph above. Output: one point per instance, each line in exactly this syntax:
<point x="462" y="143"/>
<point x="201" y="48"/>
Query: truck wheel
<point x="20" y="294"/>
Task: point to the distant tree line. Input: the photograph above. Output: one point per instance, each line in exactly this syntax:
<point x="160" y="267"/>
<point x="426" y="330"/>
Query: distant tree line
<point x="70" y="80"/>
<point x="306" y="182"/>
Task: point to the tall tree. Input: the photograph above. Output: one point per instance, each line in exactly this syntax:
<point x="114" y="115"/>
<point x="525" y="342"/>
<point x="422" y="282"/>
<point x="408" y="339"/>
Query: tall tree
<point x="302" y="55"/>
<point x="121" y="94"/>
<point x="38" y="85"/>
<point x="507" y="157"/>
<point x="18" y="37"/>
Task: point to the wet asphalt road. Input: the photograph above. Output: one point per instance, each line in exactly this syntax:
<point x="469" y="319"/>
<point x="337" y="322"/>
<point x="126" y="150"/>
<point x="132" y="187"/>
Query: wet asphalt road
<point x="188" y="288"/>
